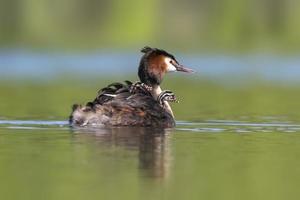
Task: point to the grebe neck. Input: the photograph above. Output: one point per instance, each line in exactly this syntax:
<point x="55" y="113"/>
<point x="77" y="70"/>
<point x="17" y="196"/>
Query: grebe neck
<point x="156" y="90"/>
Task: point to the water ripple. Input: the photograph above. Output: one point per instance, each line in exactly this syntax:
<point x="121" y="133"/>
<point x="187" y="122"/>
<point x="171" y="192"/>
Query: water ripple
<point x="210" y="126"/>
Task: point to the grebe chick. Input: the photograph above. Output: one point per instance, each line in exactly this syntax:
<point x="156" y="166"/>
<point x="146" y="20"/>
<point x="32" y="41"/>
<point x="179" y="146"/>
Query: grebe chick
<point x="143" y="103"/>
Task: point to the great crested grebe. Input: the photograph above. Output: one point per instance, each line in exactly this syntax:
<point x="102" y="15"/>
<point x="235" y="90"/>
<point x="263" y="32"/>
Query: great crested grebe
<point x="134" y="104"/>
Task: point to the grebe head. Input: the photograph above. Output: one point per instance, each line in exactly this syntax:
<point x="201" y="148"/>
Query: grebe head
<point x="155" y="63"/>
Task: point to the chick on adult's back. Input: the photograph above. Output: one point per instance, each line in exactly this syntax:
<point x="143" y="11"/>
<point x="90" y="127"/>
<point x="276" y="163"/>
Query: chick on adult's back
<point x="134" y="104"/>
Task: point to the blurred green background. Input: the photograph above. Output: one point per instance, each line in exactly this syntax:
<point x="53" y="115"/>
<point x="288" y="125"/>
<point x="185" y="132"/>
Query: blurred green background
<point x="79" y="46"/>
<point x="63" y="51"/>
<point x="214" y="25"/>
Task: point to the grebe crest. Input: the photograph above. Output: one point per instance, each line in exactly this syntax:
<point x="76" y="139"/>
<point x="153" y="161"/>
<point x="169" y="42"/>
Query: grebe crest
<point x="155" y="63"/>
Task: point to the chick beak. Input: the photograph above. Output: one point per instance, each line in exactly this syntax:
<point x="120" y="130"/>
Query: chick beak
<point x="181" y="68"/>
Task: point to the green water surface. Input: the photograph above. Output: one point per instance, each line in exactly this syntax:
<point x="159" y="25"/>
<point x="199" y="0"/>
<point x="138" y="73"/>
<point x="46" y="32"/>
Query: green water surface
<point x="231" y="142"/>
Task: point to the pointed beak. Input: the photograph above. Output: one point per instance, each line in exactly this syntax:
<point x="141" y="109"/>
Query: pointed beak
<point x="181" y="68"/>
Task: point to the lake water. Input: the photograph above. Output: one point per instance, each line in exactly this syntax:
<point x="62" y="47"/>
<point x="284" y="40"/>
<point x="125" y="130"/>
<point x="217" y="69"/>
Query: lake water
<point x="207" y="160"/>
<point x="18" y="63"/>
<point x="234" y="139"/>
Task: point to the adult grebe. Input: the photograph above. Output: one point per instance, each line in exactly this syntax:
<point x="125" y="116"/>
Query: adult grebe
<point x="134" y="104"/>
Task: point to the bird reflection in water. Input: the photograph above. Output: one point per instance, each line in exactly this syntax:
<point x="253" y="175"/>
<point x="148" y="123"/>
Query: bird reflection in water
<point x="152" y="144"/>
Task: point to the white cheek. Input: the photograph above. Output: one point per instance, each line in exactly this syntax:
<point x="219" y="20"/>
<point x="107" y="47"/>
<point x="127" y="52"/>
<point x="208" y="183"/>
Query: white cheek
<point x="170" y="67"/>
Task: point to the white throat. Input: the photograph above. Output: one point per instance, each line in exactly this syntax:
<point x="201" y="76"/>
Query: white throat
<point x="156" y="90"/>
<point x="170" y="66"/>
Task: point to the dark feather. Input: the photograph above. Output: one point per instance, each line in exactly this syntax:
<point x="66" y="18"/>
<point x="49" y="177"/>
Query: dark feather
<point x="125" y="109"/>
<point x="133" y="110"/>
<point x="104" y="94"/>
